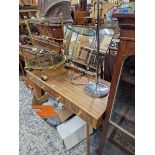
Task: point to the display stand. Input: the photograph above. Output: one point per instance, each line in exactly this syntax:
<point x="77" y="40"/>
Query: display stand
<point x="121" y="102"/>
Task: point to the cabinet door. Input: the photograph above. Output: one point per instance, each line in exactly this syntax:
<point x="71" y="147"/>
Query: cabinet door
<point x="122" y="116"/>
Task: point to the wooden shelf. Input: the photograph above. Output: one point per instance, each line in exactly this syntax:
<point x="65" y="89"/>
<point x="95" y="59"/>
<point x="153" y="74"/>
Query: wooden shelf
<point x="128" y="78"/>
<point x="28" y="10"/>
<point x="120" y="113"/>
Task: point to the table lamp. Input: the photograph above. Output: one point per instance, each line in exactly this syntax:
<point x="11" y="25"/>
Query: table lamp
<point x="95" y="88"/>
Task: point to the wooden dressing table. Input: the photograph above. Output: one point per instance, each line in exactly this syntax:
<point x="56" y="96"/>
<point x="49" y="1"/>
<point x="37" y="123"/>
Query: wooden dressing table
<point x="72" y="96"/>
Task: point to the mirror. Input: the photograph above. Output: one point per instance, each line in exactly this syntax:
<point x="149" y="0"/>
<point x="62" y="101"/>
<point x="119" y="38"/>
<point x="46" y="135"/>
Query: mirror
<point x="77" y="37"/>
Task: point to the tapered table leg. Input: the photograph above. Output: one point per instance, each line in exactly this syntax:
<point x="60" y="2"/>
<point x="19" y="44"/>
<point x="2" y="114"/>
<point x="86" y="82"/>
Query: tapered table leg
<point x="21" y="67"/>
<point x="34" y="100"/>
<point x="88" y="139"/>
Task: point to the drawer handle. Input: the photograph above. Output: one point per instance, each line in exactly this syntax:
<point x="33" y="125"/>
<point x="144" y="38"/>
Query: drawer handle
<point x="79" y="113"/>
<point x="42" y="87"/>
<point x="58" y="98"/>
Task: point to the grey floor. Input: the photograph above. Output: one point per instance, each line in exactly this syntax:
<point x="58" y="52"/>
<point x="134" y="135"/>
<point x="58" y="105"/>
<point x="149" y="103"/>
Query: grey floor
<point x="36" y="137"/>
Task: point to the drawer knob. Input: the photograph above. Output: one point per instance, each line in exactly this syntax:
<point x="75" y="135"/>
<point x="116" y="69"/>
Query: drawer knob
<point x="58" y="98"/>
<point x="42" y="87"/>
<point x="44" y="77"/>
<point x="79" y="113"/>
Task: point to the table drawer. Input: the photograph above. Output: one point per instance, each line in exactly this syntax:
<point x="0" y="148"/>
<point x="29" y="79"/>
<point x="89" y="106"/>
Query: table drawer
<point x="78" y="111"/>
<point x="29" y="85"/>
<point x="85" y="116"/>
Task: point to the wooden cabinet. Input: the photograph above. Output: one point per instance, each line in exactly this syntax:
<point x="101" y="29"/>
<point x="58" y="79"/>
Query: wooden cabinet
<point x="119" y="121"/>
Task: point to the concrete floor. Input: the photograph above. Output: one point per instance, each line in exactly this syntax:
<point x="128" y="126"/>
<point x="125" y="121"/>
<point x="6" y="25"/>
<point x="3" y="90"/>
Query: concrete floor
<point x="37" y="137"/>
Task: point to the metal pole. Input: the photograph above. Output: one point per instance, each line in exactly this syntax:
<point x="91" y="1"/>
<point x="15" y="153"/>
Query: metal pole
<point x="95" y="88"/>
<point x="97" y="41"/>
<point x="62" y="24"/>
<point x="29" y="31"/>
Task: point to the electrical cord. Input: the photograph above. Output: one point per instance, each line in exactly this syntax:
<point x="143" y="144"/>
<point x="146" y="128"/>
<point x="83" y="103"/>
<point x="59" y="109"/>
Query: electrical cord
<point x="76" y="78"/>
<point x="82" y="73"/>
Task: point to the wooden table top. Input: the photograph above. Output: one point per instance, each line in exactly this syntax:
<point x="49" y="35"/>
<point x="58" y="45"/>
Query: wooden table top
<point x="59" y="81"/>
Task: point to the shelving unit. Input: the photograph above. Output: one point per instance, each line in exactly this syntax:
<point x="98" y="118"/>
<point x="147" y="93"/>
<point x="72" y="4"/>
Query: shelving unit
<point x="25" y="11"/>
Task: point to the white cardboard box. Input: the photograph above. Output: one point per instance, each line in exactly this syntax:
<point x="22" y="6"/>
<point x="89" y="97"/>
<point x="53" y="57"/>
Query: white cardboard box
<point x="73" y="131"/>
